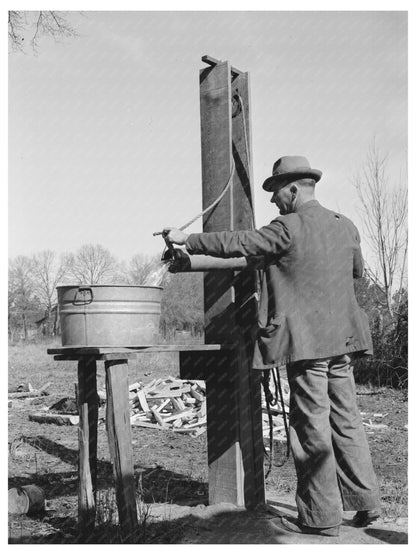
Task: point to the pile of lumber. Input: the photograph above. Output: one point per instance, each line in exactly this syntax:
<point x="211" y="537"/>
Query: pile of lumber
<point x="172" y="403"/>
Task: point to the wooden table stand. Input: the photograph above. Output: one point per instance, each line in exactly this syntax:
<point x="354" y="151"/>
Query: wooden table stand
<point x="224" y="482"/>
<point x="118" y="432"/>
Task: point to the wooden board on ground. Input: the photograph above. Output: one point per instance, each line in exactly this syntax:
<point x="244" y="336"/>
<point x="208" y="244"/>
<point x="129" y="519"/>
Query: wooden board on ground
<point x="59" y="419"/>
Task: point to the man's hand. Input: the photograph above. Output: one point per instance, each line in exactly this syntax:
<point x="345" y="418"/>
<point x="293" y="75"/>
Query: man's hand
<point x="175" y="236"/>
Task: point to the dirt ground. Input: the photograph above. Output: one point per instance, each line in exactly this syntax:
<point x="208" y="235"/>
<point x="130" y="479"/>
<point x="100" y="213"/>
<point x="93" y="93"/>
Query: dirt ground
<point x="171" y="470"/>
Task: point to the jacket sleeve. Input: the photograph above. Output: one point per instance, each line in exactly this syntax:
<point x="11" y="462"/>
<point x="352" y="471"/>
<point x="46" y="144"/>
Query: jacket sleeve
<point x="358" y="261"/>
<point x="273" y="239"/>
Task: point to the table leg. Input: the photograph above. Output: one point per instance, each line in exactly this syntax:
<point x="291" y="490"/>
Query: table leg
<point x="87" y="437"/>
<point x="119" y="436"/>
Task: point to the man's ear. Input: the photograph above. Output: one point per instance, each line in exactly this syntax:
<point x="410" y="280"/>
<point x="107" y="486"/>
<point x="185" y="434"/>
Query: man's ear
<point x="293" y="190"/>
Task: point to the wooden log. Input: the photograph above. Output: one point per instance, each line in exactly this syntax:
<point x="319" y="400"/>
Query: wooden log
<point x="27" y="394"/>
<point x="120" y="434"/>
<point x="87" y="439"/>
<point x="58" y="419"/>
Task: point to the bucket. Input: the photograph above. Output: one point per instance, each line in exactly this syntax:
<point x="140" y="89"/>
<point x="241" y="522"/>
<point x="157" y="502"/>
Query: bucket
<point x="26" y="500"/>
<point x="109" y="315"/>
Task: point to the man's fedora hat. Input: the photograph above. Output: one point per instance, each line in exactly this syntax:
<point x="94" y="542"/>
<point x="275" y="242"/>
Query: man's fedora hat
<point x="291" y="167"/>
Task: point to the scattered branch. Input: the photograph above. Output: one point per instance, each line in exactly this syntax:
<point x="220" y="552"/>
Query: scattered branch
<point x="28" y="27"/>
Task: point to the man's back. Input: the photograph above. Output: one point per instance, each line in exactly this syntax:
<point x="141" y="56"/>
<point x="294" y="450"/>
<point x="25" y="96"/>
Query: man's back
<point x="310" y="289"/>
<point x="308" y="308"/>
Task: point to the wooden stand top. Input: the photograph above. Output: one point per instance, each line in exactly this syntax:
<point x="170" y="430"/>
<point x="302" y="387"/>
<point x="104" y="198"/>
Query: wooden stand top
<point x="122" y="353"/>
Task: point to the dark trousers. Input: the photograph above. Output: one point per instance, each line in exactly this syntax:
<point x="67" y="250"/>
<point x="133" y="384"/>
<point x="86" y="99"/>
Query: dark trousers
<point x="329" y="445"/>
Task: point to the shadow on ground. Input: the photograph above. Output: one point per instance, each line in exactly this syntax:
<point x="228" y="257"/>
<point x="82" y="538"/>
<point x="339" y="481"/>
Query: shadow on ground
<point x="388" y="536"/>
<point x="172" y="510"/>
<point x="155" y="484"/>
<point x="216" y="524"/>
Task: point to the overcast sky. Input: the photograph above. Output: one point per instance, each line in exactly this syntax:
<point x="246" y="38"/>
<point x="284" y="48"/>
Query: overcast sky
<point x="104" y="129"/>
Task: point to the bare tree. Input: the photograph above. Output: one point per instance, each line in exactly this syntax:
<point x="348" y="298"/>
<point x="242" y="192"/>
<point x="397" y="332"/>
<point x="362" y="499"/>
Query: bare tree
<point x="140" y="267"/>
<point x="48" y="270"/>
<point x="25" y="26"/>
<point x="22" y="299"/>
<point x="385" y="223"/>
<point x="92" y="264"/>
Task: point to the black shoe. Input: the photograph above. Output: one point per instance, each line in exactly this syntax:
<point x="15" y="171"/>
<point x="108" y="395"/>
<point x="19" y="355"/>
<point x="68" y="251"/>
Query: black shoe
<point x="299" y="528"/>
<point x="365" y="518"/>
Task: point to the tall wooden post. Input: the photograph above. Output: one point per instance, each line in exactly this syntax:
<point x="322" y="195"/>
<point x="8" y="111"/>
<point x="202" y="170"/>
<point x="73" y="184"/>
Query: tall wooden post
<point x="235" y="449"/>
<point x="87" y="439"/>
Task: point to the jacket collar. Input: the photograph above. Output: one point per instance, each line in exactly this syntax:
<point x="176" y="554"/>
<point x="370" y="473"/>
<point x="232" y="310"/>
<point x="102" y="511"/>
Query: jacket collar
<point x="307" y="205"/>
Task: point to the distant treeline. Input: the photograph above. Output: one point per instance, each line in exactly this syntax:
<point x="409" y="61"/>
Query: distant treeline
<point x="33" y="312"/>
<point x="33" y="281"/>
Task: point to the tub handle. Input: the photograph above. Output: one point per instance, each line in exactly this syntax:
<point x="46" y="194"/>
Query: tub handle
<point x="83" y="291"/>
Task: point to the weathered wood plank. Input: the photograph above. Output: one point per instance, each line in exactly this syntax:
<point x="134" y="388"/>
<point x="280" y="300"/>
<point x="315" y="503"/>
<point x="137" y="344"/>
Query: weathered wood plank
<point x="120" y="435"/>
<point x="142" y="400"/>
<point x="234" y="453"/>
<point x="245" y="287"/>
<point x="224" y="460"/>
<point x="125" y="351"/>
<point x="87" y="439"/>
<point x="86" y="502"/>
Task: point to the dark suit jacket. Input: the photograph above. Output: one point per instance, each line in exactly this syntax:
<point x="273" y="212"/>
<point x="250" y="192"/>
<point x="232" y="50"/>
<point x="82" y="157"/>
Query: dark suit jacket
<point x="308" y="308"/>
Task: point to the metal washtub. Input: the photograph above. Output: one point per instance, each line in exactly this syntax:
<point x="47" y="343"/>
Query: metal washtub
<point x="109" y="315"/>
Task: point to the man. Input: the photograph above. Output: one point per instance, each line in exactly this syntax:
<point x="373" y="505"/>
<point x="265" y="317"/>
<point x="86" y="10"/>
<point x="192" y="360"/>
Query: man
<point x="310" y="321"/>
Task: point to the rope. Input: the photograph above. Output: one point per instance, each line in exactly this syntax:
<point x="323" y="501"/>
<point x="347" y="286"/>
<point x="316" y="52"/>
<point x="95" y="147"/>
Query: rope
<point x="270" y="401"/>
<point x="279" y="387"/>
<point x="247" y="148"/>
<point x="216" y="201"/>
<point x="230" y="179"/>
